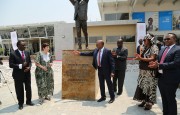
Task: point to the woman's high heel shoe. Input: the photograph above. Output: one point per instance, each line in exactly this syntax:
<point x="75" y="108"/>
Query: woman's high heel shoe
<point x="142" y="104"/>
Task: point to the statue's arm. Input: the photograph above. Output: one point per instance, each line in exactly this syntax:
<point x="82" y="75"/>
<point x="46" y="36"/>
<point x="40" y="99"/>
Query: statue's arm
<point x="72" y="1"/>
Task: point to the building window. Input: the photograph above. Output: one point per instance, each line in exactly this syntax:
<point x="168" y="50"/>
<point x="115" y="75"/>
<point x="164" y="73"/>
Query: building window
<point x="5" y="34"/>
<point x="117" y="16"/>
<point x="93" y="39"/>
<point x="23" y="33"/>
<point x="128" y="38"/>
<point x="50" y="30"/>
<point x="41" y="31"/>
<point x="114" y="39"/>
<point x="34" y="32"/>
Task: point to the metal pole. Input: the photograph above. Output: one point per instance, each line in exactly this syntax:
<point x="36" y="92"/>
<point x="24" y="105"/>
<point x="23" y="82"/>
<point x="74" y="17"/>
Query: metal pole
<point x="9" y="46"/>
<point x="8" y="86"/>
<point x="39" y="44"/>
<point x="50" y="45"/>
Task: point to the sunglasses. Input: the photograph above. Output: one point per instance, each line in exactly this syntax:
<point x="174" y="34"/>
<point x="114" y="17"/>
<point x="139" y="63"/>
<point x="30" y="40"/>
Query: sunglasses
<point x="166" y="39"/>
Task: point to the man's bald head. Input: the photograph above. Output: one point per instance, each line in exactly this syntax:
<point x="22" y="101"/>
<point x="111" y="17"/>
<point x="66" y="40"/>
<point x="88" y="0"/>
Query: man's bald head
<point x="100" y="44"/>
<point x="120" y="43"/>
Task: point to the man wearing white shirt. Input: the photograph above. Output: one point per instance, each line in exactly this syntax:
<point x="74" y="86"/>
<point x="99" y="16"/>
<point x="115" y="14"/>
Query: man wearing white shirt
<point x="20" y="61"/>
<point x="104" y="63"/>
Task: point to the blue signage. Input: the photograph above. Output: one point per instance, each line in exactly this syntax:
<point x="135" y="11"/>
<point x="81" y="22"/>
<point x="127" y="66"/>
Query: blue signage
<point x="165" y="20"/>
<point x="140" y="16"/>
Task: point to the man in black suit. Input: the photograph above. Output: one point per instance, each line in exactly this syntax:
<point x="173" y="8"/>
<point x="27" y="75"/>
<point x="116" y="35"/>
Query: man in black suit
<point x="169" y="73"/>
<point x="20" y="61"/>
<point x="103" y="61"/>
<point x="120" y="56"/>
<point x="80" y="16"/>
<point x="139" y="48"/>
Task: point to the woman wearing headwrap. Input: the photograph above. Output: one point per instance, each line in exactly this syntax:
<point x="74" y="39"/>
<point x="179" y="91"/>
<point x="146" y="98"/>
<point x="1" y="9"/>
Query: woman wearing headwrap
<point x="147" y="82"/>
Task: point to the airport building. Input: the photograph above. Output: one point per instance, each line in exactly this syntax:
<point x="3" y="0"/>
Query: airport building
<point x="119" y="19"/>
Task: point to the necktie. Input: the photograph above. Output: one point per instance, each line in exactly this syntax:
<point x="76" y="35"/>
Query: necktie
<point x="99" y="56"/>
<point x="164" y="55"/>
<point x="22" y="55"/>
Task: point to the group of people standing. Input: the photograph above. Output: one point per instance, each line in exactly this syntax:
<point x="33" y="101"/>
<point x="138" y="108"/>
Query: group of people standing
<point x="158" y="68"/>
<point x="109" y="64"/>
<point x="20" y="61"/>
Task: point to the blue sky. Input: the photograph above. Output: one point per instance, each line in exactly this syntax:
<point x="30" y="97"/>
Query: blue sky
<point x="13" y="12"/>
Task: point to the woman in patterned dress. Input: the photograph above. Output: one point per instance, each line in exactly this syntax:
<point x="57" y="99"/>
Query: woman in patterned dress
<point x="147" y="81"/>
<point x="44" y="74"/>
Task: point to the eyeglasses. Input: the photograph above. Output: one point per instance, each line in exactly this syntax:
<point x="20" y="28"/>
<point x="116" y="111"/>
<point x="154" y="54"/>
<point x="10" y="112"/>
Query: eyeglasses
<point x="166" y="39"/>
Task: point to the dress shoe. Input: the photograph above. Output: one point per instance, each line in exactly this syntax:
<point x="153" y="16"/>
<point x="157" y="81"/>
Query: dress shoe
<point x="111" y="100"/>
<point x="30" y="104"/>
<point x="119" y="93"/>
<point x="20" y="107"/>
<point x="101" y="99"/>
<point x="142" y="104"/>
<point x="80" y="48"/>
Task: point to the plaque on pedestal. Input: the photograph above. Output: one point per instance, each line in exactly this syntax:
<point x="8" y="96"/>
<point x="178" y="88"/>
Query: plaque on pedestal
<point x="79" y="78"/>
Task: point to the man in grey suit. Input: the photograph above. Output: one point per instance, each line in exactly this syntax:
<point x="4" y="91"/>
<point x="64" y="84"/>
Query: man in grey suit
<point x="120" y="56"/>
<point x="80" y="16"/>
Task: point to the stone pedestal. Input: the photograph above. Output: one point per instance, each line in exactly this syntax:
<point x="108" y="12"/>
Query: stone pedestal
<point x="79" y="78"/>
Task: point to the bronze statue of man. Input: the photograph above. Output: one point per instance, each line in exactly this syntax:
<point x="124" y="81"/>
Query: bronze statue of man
<point x="80" y="16"/>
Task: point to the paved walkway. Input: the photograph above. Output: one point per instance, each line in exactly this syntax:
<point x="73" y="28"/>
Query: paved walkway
<point x="123" y="105"/>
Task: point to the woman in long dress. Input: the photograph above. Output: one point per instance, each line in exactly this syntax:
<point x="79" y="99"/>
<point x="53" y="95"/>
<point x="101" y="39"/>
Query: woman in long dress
<point x="147" y="81"/>
<point x="44" y="74"/>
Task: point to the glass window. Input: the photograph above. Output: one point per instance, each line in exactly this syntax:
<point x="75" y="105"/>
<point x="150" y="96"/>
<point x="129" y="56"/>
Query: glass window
<point x="93" y="39"/>
<point x="5" y="34"/>
<point x="128" y="38"/>
<point x="117" y="16"/>
<point x="112" y="39"/>
<point x="50" y="30"/>
<point x="41" y="31"/>
<point x="110" y="17"/>
<point x="23" y="33"/>
<point x="123" y="16"/>
<point x="33" y="31"/>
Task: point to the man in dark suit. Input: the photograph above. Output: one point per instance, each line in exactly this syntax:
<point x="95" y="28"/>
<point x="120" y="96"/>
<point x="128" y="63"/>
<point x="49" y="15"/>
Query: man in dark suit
<point x="80" y="16"/>
<point x="139" y="48"/>
<point x="20" y="61"/>
<point x="103" y="61"/>
<point x="120" y="56"/>
<point x="169" y="73"/>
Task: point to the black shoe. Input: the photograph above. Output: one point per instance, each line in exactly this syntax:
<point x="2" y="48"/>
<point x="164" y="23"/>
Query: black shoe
<point x="142" y="104"/>
<point x="119" y="93"/>
<point x="20" y="107"/>
<point x="115" y="90"/>
<point x="101" y="99"/>
<point x="30" y="104"/>
<point x="80" y="48"/>
<point x="111" y="100"/>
